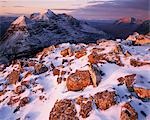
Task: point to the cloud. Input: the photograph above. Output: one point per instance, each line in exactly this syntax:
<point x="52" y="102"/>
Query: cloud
<point x="18" y="6"/>
<point x="115" y="9"/>
<point x="3" y="1"/>
<point x="63" y="9"/>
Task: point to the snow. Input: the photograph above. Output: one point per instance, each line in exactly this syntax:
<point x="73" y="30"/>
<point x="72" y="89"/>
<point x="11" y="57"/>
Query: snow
<point x="39" y="109"/>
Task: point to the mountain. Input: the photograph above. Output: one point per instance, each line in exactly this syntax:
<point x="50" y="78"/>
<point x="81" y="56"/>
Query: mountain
<point x="122" y="27"/>
<point x="28" y="35"/>
<point x="108" y="80"/>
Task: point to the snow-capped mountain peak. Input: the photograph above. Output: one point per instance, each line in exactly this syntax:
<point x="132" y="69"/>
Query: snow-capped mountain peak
<point x="46" y="15"/>
<point x="21" y="21"/>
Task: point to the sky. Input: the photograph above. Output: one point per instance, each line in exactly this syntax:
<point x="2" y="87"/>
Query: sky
<point x="82" y="9"/>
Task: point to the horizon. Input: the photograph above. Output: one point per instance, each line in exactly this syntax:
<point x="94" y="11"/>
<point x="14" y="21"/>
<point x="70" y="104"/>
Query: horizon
<point x="86" y="10"/>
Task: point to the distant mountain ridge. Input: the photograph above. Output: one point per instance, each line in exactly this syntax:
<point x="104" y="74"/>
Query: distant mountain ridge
<point x="26" y="35"/>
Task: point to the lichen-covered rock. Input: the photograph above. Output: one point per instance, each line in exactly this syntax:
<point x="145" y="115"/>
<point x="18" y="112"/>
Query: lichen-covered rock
<point x="78" y="80"/>
<point x="13" y="77"/>
<point x="128" y="112"/>
<point x="63" y="110"/>
<point x="105" y="99"/>
<point x="40" y="68"/>
<point x="13" y="100"/>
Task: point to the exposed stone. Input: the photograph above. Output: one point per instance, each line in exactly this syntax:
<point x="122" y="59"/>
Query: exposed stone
<point x="24" y="101"/>
<point x="13" y="100"/>
<point x="13" y="77"/>
<point x="128" y="112"/>
<point x="40" y="68"/>
<point x="137" y="63"/>
<point x="95" y="74"/>
<point x="63" y="110"/>
<point x="20" y="89"/>
<point x="66" y="52"/>
<point x="78" y="80"/>
<point x="80" y="53"/>
<point x="128" y="80"/>
<point x="142" y="92"/>
<point x="56" y="71"/>
<point x="85" y="106"/>
<point x="105" y="99"/>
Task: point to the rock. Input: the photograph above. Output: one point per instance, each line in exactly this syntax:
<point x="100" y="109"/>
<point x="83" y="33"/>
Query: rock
<point x="128" y="80"/>
<point x="24" y="101"/>
<point x="142" y="92"/>
<point x="95" y="58"/>
<point x="40" y="68"/>
<point x="78" y="80"/>
<point x="56" y="71"/>
<point x="80" y="53"/>
<point x="66" y="52"/>
<point x="137" y="63"/>
<point x="13" y="101"/>
<point x="95" y="74"/>
<point x="13" y="77"/>
<point x="20" y="89"/>
<point x="128" y="112"/>
<point x="105" y="99"/>
<point x="85" y="106"/>
<point x="63" y="110"/>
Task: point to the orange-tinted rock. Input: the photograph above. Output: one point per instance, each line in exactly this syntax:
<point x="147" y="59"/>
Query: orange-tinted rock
<point x="63" y="110"/>
<point x="66" y="52"/>
<point x="13" y="77"/>
<point x="128" y="80"/>
<point x="12" y="101"/>
<point x="40" y="68"/>
<point x="142" y="92"/>
<point x="80" y="53"/>
<point x="105" y="100"/>
<point x="137" y="63"/>
<point x="128" y="112"/>
<point x="20" y="89"/>
<point x="85" y="106"/>
<point x="56" y="71"/>
<point x="78" y="80"/>
<point x="24" y="101"/>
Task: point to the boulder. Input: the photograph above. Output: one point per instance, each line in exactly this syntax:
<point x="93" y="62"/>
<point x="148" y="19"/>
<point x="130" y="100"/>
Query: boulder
<point x="85" y="106"/>
<point x="95" y="73"/>
<point x="105" y="99"/>
<point x="56" y="71"/>
<point x="63" y="110"/>
<point x="20" y="89"/>
<point x="128" y="112"/>
<point x="24" y="101"/>
<point x="128" y="80"/>
<point x="13" y="77"/>
<point x="137" y="63"/>
<point x="40" y="68"/>
<point x="80" y="53"/>
<point x="66" y="52"/>
<point x="142" y="92"/>
<point x="78" y="80"/>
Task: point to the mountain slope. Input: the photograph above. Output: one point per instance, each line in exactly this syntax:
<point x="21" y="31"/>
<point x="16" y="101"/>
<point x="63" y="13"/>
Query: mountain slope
<point x="43" y="29"/>
<point x="78" y="81"/>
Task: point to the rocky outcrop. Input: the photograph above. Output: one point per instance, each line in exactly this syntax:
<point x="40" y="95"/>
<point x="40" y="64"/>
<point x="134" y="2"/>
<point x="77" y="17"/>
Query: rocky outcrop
<point x="40" y="68"/>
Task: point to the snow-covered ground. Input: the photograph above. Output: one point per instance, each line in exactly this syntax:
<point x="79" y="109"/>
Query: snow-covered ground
<point x="46" y="85"/>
